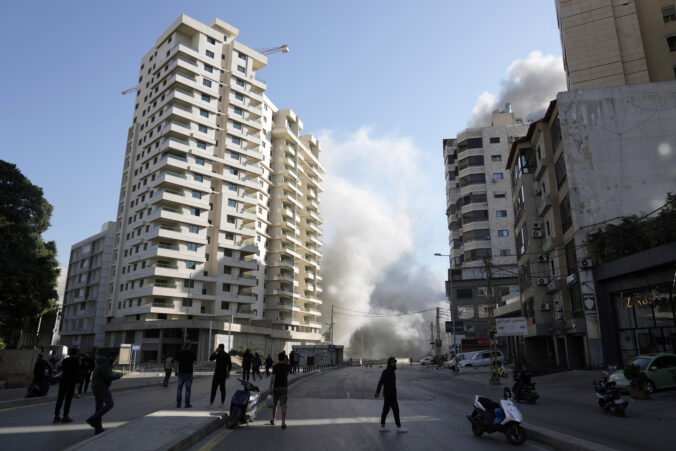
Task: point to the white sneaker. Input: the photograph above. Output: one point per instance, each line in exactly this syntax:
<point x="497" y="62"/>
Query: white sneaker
<point x="383" y="429"/>
<point x="402" y="429"/>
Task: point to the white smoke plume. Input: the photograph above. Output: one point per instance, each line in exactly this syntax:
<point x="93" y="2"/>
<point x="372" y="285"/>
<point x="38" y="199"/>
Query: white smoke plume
<point x="373" y="188"/>
<point x="530" y="85"/>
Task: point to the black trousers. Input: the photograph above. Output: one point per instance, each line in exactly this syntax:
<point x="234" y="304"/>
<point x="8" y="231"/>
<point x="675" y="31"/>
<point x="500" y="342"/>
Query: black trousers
<point x="167" y="376"/>
<point x="84" y="382"/>
<point x="218" y="381"/>
<point x="246" y="372"/>
<point x="66" y="390"/>
<point x="394" y="405"/>
<point x="256" y="372"/>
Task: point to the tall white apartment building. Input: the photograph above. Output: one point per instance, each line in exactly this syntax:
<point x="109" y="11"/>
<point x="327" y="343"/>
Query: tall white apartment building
<point x="480" y="218"/>
<point x="86" y="290"/>
<point x="217" y="185"/>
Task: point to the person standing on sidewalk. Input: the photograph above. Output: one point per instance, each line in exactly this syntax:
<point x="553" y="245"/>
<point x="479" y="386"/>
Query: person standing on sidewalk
<point x="279" y="386"/>
<point x="102" y="377"/>
<point x="41" y="372"/>
<point x="185" y="360"/>
<point x="168" y="366"/>
<point x="86" y="367"/>
<point x="70" y="371"/>
<point x="246" y="365"/>
<point x="256" y="365"/>
<point x="268" y="365"/>
<point x="221" y="373"/>
<point x="292" y="358"/>
<point x="388" y="381"/>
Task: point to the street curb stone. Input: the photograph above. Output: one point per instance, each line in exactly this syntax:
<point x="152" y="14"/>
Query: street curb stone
<point x="560" y="441"/>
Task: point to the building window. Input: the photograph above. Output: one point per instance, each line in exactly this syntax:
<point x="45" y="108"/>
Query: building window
<point x="197" y="178"/>
<point x="242" y="55"/>
<point x="192" y="247"/>
<point x="464" y="293"/>
<point x="242" y="69"/>
<point x="566" y="214"/>
<point x="187" y="302"/>
<point x="232" y="203"/>
<point x="496" y="157"/>
<point x="210" y="54"/>
<point x="206" y="83"/>
<point x="204" y="113"/>
<point x="226" y="287"/>
<point x="202" y="128"/>
<point x="232" y="187"/>
<point x="497" y="176"/>
<point x="206" y="98"/>
<point x="229" y="236"/>
<point x="501" y="213"/>
<point x="194" y="211"/>
<point x="225" y="305"/>
<point x="200" y="161"/>
<point x="499" y="195"/>
<point x="237" y="125"/>
<point x="560" y="171"/>
<point x="671" y="42"/>
<point x="211" y="40"/>
<point x="505" y="252"/>
<point x="495" y="140"/>
<point x="239" y="96"/>
<point x="193" y="228"/>
<point x="238" y="111"/>
<point x="227" y="270"/>
<point x="503" y="233"/>
<point x="236" y="140"/>
<point x="239" y="82"/>
<point x="196" y="195"/>
<point x="227" y="252"/>
<point x="475" y="160"/>
<point x="208" y="68"/>
<point x="188" y="283"/>
<point x="190" y="264"/>
<point x="555" y="132"/>
<point x="669" y="13"/>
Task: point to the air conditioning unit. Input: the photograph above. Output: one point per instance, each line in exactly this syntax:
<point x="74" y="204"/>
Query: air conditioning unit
<point x="536" y="233"/>
<point x="542" y="258"/>
<point x="537" y="226"/>
<point x="558" y="315"/>
<point x="543" y="281"/>
<point x="544" y="307"/>
<point x="586" y="263"/>
<point x="558" y="307"/>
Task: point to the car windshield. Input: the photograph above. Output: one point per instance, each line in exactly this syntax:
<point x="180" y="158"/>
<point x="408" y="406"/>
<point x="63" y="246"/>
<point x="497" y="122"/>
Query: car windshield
<point x="641" y="362"/>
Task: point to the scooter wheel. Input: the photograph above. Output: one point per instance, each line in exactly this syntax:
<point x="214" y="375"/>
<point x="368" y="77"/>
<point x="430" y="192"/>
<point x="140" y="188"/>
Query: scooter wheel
<point x="477" y="430"/>
<point x="515" y="434"/>
<point x="233" y="419"/>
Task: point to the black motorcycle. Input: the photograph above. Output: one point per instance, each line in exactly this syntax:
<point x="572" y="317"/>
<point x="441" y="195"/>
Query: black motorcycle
<point x="243" y="405"/>
<point x="609" y="398"/>
<point x="523" y="389"/>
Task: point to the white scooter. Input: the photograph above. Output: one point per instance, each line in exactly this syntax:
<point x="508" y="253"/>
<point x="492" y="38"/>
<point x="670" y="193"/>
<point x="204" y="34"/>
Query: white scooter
<point x="505" y="417"/>
<point x="243" y="405"/>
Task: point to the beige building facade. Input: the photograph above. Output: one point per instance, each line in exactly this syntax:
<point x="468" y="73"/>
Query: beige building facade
<point x="617" y="42"/>
<point x="205" y="187"/>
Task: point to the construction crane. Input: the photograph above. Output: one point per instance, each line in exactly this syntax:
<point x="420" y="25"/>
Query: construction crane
<point x="130" y="90"/>
<point x="282" y="48"/>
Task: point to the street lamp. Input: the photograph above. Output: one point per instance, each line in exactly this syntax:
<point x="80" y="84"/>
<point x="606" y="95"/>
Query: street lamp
<point x="450" y="299"/>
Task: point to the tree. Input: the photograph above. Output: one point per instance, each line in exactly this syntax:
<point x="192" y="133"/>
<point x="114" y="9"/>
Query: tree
<point x="29" y="267"/>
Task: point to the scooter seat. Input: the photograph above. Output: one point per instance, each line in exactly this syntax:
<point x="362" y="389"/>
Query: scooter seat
<point x="488" y="405"/>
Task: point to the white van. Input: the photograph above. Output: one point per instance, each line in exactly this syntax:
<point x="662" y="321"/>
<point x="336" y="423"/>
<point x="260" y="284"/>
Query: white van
<point x="481" y="358"/>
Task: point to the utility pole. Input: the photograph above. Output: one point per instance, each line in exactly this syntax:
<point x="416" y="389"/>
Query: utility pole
<point x="332" y="323"/>
<point x="492" y="330"/>
<point x="437" y="343"/>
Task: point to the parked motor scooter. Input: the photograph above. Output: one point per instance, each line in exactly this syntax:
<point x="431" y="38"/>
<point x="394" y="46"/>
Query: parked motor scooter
<point x="243" y="405"/>
<point x="609" y="397"/>
<point x="489" y="417"/>
<point x="523" y="388"/>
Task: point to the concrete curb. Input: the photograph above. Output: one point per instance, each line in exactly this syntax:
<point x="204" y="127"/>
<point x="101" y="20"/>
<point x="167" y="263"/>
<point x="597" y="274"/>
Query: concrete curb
<point x="560" y="441"/>
<point x="197" y="435"/>
<point x="22" y="402"/>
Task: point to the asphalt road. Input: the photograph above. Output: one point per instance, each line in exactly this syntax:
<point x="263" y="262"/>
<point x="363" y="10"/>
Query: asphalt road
<point x="336" y="411"/>
<point x="31" y="427"/>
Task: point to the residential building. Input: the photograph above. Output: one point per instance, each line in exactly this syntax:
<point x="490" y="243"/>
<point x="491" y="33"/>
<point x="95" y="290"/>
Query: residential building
<point x="87" y="284"/>
<point x="596" y="156"/>
<point x="202" y="201"/>
<point x="617" y="42"/>
<point x="480" y="218"/>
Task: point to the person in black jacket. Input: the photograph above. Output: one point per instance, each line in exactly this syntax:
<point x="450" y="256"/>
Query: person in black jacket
<point x="86" y="367"/>
<point x="268" y="365"/>
<point x="256" y="365"/>
<point x="246" y="365"/>
<point x="388" y="380"/>
<point x="70" y="373"/>
<point x="221" y="373"/>
<point x="41" y="373"/>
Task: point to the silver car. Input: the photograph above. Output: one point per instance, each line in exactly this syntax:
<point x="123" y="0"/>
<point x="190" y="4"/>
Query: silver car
<point x="481" y="358"/>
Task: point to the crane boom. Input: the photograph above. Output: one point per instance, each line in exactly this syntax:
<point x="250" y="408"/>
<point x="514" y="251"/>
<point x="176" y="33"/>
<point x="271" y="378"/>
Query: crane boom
<point x="282" y="48"/>
<point x="130" y="90"/>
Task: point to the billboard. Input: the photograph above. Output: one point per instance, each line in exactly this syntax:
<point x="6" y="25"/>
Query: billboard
<point x="508" y="327"/>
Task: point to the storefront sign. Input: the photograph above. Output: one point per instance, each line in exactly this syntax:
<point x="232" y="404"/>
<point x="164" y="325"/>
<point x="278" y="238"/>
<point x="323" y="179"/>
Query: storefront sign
<point x="508" y="327"/>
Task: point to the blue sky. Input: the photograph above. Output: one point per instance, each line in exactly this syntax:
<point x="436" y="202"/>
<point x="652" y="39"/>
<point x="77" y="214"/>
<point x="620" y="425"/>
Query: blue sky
<point x="401" y="71"/>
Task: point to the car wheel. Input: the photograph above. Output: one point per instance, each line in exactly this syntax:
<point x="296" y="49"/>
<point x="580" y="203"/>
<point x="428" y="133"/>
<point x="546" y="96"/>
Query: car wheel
<point x="649" y="387"/>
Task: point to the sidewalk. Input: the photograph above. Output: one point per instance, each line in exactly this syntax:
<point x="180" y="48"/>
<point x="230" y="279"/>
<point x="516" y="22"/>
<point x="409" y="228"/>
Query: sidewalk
<point x="175" y="429"/>
<point x="13" y="397"/>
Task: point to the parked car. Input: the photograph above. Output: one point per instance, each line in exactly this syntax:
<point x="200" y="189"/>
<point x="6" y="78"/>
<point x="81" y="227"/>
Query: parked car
<point x="481" y="358"/>
<point x="659" y="368"/>
<point x="460" y="357"/>
<point x="429" y="360"/>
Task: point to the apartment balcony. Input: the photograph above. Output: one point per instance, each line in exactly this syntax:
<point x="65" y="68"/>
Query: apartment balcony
<point x="287" y="321"/>
<point x="313" y="298"/>
<point x="284" y="307"/>
<point x="544" y="203"/>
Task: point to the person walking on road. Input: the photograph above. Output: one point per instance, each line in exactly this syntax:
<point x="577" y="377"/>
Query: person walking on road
<point x="185" y="360"/>
<point x="246" y="365"/>
<point x="388" y="381"/>
<point x="41" y="372"/>
<point x="221" y="373"/>
<point x="256" y="365"/>
<point x="268" y="365"/>
<point x="279" y="386"/>
<point x="292" y="359"/>
<point x="102" y="377"/>
<point x="168" y="366"/>
<point x="87" y="364"/>
<point x="70" y="371"/>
